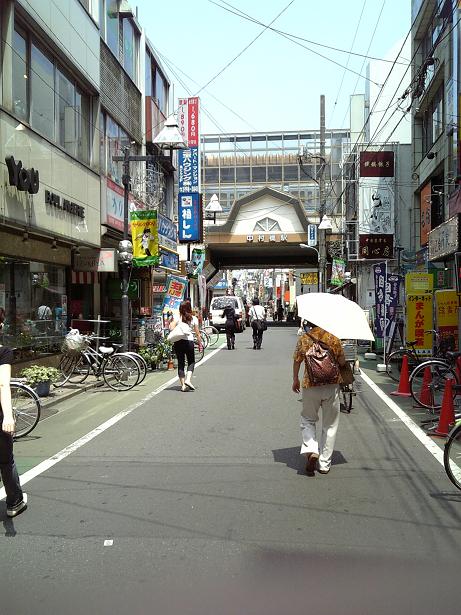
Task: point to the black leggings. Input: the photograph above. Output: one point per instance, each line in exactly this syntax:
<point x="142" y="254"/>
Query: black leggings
<point x="257" y="333"/>
<point x="183" y="349"/>
<point x="8" y="469"/>
<point x="230" y="333"/>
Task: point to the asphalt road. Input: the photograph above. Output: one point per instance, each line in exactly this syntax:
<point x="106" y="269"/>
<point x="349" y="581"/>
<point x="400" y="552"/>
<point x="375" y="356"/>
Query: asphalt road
<point x="198" y="503"/>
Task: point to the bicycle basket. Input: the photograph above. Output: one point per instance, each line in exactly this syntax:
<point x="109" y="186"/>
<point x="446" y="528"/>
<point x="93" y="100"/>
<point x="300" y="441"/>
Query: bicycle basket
<point x="74" y="342"/>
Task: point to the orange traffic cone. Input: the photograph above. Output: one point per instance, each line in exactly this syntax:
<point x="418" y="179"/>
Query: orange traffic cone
<point x="447" y="413"/>
<point x="404" y="383"/>
<point x="425" y="397"/>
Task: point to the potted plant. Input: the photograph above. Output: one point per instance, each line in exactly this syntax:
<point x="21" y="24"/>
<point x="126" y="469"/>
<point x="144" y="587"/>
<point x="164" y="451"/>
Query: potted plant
<point x="40" y="378"/>
<point x="149" y="355"/>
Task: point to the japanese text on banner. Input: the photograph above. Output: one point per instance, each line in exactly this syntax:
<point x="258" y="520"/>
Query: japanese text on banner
<point x="419" y="320"/>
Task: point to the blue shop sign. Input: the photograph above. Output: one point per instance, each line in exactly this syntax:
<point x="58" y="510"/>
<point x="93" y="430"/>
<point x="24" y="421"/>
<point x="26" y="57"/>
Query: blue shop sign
<point x="167" y="233"/>
<point x="189" y="170"/>
<point x="189" y="217"/>
<point x="169" y="260"/>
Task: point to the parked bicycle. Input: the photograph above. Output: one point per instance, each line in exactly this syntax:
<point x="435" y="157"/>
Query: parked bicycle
<point x="348" y="391"/>
<point x="437" y="372"/>
<point x="120" y="371"/>
<point x="452" y="455"/>
<point x="395" y="359"/>
<point x="26" y="407"/>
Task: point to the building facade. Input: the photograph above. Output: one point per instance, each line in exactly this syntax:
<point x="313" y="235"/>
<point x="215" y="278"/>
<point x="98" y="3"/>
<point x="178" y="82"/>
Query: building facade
<point x="49" y="163"/>
<point x="435" y="127"/>
<point x="235" y="165"/>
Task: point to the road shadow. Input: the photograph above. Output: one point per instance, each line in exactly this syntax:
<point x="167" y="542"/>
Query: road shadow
<point x="447" y="496"/>
<point x="292" y="458"/>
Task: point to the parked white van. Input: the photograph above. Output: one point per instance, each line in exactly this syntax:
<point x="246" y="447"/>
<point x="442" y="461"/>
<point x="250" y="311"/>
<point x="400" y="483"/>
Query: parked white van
<point x="217" y="306"/>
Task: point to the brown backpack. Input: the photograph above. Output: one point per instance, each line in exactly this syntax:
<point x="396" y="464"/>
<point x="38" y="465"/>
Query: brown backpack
<point x="321" y="364"/>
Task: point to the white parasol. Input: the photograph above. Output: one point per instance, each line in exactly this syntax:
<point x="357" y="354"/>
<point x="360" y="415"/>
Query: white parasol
<point x="335" y="314"/>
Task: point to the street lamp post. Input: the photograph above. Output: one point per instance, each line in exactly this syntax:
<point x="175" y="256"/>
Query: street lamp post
<point x="168" y="138"/>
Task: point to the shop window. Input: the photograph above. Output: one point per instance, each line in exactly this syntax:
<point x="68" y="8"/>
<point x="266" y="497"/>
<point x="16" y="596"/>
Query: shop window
<point x="113" y="33"/>
<point x="58" y="109"/>
<point x="129" y="48"/>
<point x="161" y="92"/>
<point x="42" y="93"/>
<point x="117" y="139"/>
<point x="35" y="301"/>
<point x="20" y="76"/>
<point x="148" y="78"/>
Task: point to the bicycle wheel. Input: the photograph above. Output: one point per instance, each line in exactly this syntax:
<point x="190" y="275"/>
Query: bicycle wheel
<point x="205" y="338"/>
<point x="452" y="456"/>
<point x="346" y="399"/>
<point x="199" y="354"/>
<point x="213" y="334"/>
<point x="440" y="372"/>
<point x="142" y="365"/>
<point x="26" y="408"/>
<point x="81" y="370"/>
<point x="65" y="367"/>
<point x="394" y="363"/>
<point x="121" y="372"/>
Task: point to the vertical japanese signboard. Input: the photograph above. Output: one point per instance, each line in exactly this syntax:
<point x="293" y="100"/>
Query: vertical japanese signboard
<point x="446" y="311"/>
<point x="189" y="209"/>
<point x="380" y="272"/>
<point x="392" y="298"/>
<point x="189" y="218"/>
<point x="189" y="170"/>
<point x="425" y="208"/>
<point x="376" y="204"/>
<point x="175" y="292"/>
<point x="419" y="320"/>
<point x="144" y="238"/>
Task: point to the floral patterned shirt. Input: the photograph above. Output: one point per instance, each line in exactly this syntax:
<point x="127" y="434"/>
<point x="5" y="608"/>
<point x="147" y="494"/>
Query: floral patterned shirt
<point x="304" y="343"/>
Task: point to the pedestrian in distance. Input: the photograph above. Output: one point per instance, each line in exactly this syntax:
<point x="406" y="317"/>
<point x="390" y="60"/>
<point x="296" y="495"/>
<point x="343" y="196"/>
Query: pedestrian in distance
<point x="258" y="323"/>
<point x="184" y="348"/>
<point x="323" y="356"/>
<point x="16" y="500"/>
<point x="231" y="325"/>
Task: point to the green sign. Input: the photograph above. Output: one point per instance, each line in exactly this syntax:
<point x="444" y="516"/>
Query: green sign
<point x="114" y="289"/>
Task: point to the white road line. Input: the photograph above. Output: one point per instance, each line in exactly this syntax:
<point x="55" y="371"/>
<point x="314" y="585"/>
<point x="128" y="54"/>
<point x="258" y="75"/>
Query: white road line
<point x="68" y="450"/>
<point x="408" y="422"/>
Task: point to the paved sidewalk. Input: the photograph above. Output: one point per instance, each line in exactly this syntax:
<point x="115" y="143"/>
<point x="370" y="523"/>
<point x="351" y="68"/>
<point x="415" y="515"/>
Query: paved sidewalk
<point x="407" y="404"/>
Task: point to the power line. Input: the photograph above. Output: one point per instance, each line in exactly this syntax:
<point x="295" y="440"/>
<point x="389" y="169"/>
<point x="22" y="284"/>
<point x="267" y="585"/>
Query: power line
<point x="347" y="63"/>
<point x="364" y="60"/>
<point x="244" y="49"/>
<point x="243" y="15"/>
<point x="296" y="42"/>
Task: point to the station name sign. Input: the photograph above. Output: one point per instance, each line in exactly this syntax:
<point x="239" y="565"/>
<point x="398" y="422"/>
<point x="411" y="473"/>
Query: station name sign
<point x="270" y="238"/>
<point x="64" y="204"/>
<point x="26" y="180"/>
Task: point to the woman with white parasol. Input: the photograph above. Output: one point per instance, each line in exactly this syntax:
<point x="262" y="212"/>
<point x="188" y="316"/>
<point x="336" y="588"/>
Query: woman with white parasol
<point x="327" y="318"/>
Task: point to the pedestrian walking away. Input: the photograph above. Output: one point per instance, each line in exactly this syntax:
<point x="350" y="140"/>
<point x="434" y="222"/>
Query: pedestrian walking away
<point x="258" y="323"/>
<point x="231" y="325"/>
<point x="323" y="356"/>
<point x="184" y="348"/>
<point x="16" y="500"/>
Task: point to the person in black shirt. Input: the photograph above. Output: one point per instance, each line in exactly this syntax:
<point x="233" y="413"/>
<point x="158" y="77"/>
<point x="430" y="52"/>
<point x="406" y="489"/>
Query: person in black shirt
<point x="230" y="316"/>
<point x="16" y="500"/>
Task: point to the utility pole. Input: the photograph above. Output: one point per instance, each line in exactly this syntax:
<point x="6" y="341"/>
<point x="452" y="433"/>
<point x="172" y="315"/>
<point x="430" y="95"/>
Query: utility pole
<point x="322" y="199"/>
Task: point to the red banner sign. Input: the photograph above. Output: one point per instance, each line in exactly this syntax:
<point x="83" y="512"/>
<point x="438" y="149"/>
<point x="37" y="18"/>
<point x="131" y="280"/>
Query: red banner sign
<point x="376" y="164"/>
<point x="192" y="128"/>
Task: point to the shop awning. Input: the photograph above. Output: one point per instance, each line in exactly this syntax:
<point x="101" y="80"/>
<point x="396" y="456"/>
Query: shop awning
<point x="84" y="277"/>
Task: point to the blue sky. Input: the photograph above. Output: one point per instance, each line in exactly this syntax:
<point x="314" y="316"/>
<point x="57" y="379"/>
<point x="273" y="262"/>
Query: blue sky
<point x="275" y="84"/>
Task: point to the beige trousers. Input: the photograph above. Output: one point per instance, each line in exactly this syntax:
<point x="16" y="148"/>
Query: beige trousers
<point x="319" y="435"/>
